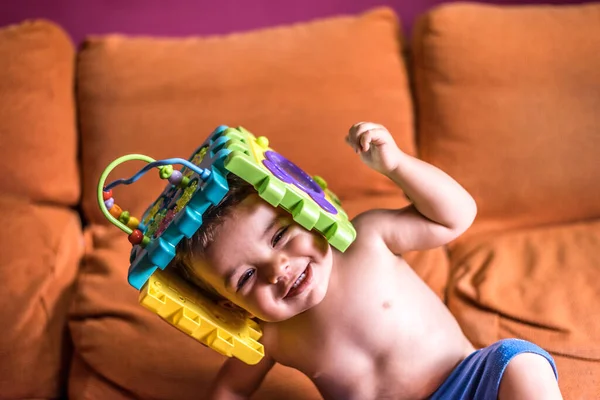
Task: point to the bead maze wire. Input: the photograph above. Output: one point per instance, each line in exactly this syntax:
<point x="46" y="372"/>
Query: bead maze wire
<point x="165" y="167"/>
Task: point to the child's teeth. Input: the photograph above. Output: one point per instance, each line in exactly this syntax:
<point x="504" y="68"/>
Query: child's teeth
<point x="299" y="280"/>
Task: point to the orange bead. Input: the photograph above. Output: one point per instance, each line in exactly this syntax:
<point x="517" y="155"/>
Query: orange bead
<point x="115" y="211"/>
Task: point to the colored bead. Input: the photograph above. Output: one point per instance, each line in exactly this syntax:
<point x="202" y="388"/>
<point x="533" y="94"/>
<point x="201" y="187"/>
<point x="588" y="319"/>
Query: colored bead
<point x="176" y="178"/>
<point x="165" y="171"/>
<point x="109" y="203"/>
<point x="184" y="182"/>
<point x="136" y="237"/>
<point x="263" y="142"/>
<point x="107" y="195"/>
<point x="124" y="217"/>
<point x="115" y="211"/>
<point x="133" y="223"/>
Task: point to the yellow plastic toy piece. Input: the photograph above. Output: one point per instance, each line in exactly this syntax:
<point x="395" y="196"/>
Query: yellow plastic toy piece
<point x="178" y="304"/>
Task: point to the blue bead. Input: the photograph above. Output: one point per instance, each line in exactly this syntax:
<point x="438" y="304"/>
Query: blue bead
<point x="109" y="203"/>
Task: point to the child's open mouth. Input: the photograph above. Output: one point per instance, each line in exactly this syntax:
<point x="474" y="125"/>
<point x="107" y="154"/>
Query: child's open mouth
<point x="301" y="283"/>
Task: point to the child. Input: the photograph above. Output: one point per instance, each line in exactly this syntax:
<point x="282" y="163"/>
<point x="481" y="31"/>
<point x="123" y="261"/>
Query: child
<point x="360" y="324"/>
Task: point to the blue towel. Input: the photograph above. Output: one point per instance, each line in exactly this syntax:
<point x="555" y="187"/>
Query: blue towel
<point x="478" y="376"/>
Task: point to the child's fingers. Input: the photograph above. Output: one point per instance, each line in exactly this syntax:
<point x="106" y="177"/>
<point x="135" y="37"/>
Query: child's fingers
<point x="350" y="142"/>
<point x="361" y="127"/>
<point x="365" y="134"/>
<point x="365" y="140"/>
<point x="359" y="143"/>
<point x="354" y="127"/>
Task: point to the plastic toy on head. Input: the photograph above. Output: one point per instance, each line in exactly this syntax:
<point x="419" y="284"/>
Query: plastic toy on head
<point x="178" y="211"/>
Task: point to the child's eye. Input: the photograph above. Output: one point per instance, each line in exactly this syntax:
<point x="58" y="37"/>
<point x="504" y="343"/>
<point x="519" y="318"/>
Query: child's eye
<point x="244" y="278"/>
<point x="279" y="235"/>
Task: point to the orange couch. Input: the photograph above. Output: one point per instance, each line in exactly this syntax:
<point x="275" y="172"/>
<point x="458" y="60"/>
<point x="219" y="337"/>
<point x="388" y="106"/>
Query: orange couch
<point x="505" y="99"/>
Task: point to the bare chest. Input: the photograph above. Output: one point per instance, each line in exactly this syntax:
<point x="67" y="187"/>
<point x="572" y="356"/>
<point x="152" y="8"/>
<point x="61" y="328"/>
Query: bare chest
<point x="373" y="339"/>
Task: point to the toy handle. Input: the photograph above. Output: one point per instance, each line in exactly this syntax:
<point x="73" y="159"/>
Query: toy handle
<point x="104" y="194"/>
<point x="121" y="219"/>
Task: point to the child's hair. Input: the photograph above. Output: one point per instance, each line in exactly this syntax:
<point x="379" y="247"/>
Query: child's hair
<point x="198" y="244"/>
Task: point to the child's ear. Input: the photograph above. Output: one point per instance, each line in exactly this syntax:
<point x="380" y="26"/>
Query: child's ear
<point x="228" y="305"/>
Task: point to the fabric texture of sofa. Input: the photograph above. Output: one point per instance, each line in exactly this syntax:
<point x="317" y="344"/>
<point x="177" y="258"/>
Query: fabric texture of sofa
<point x="505" y="99"/>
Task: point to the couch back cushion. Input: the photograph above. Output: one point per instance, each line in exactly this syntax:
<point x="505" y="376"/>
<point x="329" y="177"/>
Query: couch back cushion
<point x="38" y="141"/>
<point x="302" y="86"/>
<point x="508" y="101"/>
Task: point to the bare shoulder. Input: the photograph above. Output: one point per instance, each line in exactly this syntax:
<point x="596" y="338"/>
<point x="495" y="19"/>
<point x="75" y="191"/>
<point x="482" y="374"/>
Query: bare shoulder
<point x="370" y="246"/>
<point x="369" y="219"/>
<point x="372" y="225"/>
<point x="368" y="228"/>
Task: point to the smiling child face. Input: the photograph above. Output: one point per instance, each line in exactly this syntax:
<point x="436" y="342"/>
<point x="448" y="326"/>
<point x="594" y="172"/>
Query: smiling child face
<point x="265" y="263"/>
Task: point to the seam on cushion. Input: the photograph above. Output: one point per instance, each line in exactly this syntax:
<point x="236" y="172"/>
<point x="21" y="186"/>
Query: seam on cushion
<point x="421" y="29"/>
<point x="92" y="375"/>
<point x="550" y="347"/>
<point x="88" y="246"/>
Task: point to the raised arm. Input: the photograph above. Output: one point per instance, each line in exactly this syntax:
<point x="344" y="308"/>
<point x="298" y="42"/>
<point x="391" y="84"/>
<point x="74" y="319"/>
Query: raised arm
<point x="441" y="209"/>
<point x="237" y="380"/>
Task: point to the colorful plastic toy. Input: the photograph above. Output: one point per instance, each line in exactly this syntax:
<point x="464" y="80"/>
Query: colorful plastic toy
<point x="177" y="213"/>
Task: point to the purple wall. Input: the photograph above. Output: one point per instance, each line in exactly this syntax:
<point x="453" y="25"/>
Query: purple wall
<point x="199" y="17"/>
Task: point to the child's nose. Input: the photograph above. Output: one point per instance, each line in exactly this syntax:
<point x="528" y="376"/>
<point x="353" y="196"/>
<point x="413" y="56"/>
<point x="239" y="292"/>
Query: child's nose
<point x="278" y="270"/>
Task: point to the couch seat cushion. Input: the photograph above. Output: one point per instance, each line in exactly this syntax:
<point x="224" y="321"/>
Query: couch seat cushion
<point x="537" y="284"/>
<point x="40" y="250"/>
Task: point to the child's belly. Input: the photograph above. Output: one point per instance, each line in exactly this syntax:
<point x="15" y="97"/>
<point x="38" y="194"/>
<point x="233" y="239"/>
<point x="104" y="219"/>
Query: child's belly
<point x="357" y="374"/>
<point x="400" y="342"/>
